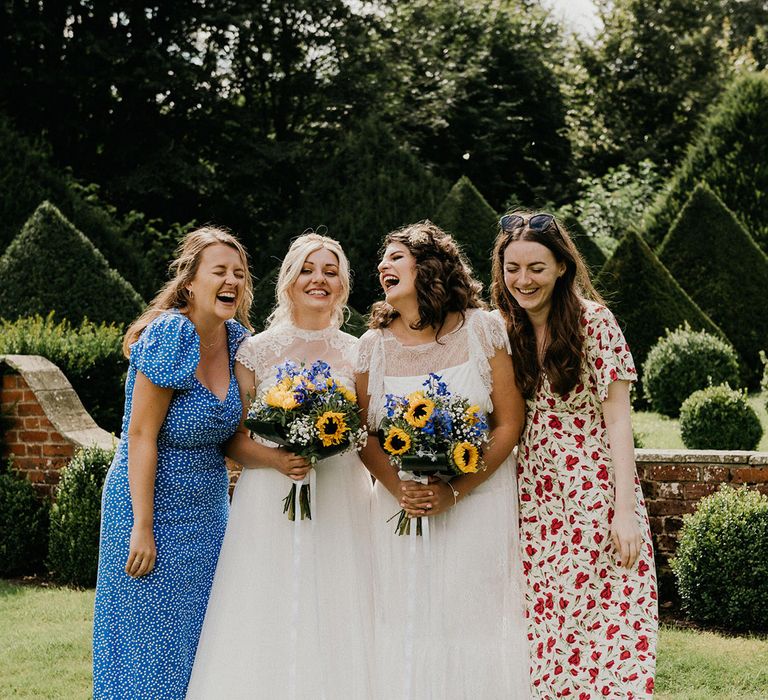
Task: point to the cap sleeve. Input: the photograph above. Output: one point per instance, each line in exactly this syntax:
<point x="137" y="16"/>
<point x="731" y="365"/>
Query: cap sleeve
<point x="168" y="351"/>
<point x="252" y="353"/>
<point x="606" y="351"/>
<point x="364" y="351"/>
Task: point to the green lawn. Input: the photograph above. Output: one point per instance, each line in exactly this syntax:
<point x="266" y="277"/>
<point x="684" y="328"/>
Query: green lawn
<point x="663" y="433"/>
<point x="45" y="637"/>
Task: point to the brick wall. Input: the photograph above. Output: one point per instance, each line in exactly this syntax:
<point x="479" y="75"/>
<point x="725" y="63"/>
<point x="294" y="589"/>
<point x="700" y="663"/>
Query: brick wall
<point x="673" y="482"/>
<point x="43" y="419"/>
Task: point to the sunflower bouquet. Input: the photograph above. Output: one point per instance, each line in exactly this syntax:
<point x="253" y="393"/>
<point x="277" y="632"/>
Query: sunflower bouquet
<point x="311" y="414"/>
<point x="432" y="432"/>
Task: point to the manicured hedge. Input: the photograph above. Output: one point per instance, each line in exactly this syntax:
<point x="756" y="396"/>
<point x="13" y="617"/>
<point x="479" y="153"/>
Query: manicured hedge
<point x="646" y="298"/>
<point x="51" y="266"/>
<point x="731" y="156"/>
<point x="724" y="271"/>
<point x="90" y="356"/>
<point x="468" y="217"/>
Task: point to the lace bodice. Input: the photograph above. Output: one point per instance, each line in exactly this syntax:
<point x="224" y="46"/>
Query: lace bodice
<point x="468" y="348"/>
<point x="264" y="351"/>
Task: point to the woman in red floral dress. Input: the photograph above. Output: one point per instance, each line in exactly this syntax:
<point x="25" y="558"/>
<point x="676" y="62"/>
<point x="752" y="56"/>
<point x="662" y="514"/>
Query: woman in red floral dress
<point x="586" y="544"/>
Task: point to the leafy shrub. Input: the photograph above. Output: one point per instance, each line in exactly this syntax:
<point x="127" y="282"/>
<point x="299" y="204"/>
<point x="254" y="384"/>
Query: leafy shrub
<point x="51" y="265"/>
<point x="730" y="155"/>
<point x="720" y="565"/>
<point x="718" y="263"/>
<point x="587" y="245"/>
<point x="682" y="362"/>
<point x="73" y="551"/>
<point x="646" y="298"/>
<point x="90" y="356"/>
<point x="719" y="418"/>
<point x="23" y="526"/>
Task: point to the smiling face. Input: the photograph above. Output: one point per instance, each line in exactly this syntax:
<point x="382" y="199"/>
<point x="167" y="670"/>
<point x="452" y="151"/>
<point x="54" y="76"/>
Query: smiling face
<point x="530" y="274"/>
<point x="318" y="287"/>
<point x="397" y="273"/>
<point x="217" y="287"/>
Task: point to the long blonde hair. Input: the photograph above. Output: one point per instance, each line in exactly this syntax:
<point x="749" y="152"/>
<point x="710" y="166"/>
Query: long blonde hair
<point x="174" y="294"/>
<point x="301" y="248"/>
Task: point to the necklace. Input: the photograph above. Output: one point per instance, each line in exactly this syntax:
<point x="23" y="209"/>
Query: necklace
<point x="208" y="346"/>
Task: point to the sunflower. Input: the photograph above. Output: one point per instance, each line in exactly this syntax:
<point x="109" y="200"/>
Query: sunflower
<point x="331" y="428"/>
<point x="397" y="442"/>
<point x="419" y="409"/>
<point x="466" y="457"/>
<point x="470" y="415"/>
<point x="280" y="397"/>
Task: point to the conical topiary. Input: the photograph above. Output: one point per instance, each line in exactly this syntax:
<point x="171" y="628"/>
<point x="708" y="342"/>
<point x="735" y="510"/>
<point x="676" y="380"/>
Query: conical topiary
<point x="370" y="186"/>
<point x="645" y="297"/>
<point x="731" y="155"/>
<point x="725" y="272"/>
<point x="51" y="266"/>
<point x="467" y="216"/>
<point x="590" y="251"/>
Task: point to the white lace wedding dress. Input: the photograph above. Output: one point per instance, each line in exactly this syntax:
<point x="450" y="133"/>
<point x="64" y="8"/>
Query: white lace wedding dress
<point x="449" y="619"/>
<point x="290" y="611"/>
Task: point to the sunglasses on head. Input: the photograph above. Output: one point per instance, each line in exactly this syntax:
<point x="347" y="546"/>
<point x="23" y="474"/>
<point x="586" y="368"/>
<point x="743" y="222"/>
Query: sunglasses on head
<point x="538" y="222"/>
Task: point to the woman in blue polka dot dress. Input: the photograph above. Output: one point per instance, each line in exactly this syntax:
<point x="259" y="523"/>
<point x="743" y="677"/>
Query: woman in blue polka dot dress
<point x="165" y="504"/>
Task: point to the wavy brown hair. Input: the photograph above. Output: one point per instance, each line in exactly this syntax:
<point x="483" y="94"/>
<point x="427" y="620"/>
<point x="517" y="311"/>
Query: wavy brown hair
<point x="562" y="355"/>
<point x="183" y="268"/>
<point x="444" y="281"/>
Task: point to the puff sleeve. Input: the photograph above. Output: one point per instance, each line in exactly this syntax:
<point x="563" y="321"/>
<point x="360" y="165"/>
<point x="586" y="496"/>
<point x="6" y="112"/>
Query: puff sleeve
<point x="606" y="351"/>
<point x="168" y="351"/>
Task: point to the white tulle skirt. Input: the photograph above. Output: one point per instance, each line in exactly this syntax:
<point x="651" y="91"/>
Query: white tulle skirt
<point x="449" y="621"/>
<point x="290" y="612"/>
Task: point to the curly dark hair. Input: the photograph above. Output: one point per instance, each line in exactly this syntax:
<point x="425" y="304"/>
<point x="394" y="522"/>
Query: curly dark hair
<point x="562" y="355"/>
<point x="444" y="281"/>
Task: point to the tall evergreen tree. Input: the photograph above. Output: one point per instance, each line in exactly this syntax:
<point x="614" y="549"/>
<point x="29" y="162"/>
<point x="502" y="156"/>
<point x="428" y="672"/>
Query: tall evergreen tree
<point x="646" y="298"/>
<point x="725" y="272"/>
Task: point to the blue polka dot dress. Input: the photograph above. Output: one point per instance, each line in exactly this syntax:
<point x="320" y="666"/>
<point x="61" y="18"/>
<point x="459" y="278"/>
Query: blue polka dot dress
<point x="146" y="630"/>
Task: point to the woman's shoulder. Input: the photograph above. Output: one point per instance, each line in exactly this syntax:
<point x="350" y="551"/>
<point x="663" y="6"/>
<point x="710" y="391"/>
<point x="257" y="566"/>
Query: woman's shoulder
<point x="594" y="313"/>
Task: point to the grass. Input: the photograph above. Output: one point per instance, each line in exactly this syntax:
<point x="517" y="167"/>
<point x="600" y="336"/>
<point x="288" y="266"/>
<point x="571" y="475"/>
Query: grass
<point x="45" y="635"/>
<point x="663" y="433"/>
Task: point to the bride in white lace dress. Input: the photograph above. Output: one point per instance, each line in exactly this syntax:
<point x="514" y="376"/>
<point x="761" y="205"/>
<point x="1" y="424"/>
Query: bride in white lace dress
<point x="290" y="610"/>
<point x="448" y="605"/>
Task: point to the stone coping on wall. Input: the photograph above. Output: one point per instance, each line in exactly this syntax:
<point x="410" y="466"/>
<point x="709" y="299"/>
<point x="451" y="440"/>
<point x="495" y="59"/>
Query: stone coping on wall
<point x="58" y="400"/>
<point x="644" y="455"/>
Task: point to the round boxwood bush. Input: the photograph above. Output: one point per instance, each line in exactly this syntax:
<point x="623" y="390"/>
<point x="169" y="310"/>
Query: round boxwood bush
<point x="23" y="526"/>
<point x="721" y="565"/>
<point x="719" y="418"/>
<point x="73" y="551"/>
<point x="684" y="361"/>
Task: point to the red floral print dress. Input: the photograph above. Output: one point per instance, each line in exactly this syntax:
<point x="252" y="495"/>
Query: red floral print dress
<point x="592" y="625"/>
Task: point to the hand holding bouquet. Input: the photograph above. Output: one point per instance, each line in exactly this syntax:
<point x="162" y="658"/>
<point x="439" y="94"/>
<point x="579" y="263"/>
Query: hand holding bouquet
<point x="432" y="432"/>
<point x="311" y="414"/>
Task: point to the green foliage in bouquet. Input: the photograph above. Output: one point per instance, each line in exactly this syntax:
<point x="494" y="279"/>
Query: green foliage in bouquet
<point x="73" y="549"/>
<point x="646" y="298"/>
<point x="23" y="525"/>
<point x="51" y="266"/>
<point x="725" y="272"/>
<point x="684" y="361"/>
<point x="730" y="154"/>
<point x="721" y="565"/>
<point x="90" y="355"/>
<point x="719" y="418"/>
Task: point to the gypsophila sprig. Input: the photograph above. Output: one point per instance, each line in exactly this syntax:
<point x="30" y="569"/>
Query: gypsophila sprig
<point x="433" y="432"/>
<point x="312" y="414"/>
